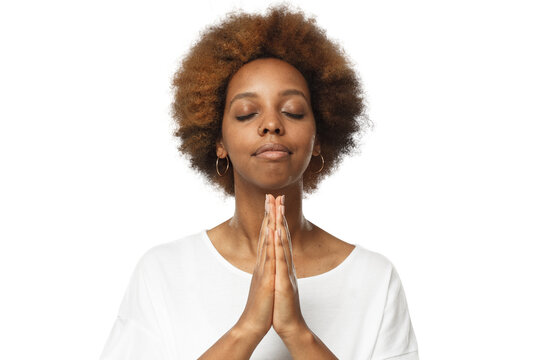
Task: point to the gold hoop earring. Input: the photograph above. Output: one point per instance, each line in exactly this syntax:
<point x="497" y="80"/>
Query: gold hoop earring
<point x="322" y="165"/>
<point x="217" y="166"/>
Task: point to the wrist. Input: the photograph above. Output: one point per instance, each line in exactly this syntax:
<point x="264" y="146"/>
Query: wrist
<point x="299" y="338"/>
<point x="244" y="331"/>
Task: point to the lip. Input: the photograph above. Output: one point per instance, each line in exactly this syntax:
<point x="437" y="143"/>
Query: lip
<point x="273" y="149"/>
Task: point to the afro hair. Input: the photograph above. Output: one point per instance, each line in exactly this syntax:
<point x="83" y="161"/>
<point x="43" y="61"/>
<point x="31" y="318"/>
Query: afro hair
<point x="200" y="86"/>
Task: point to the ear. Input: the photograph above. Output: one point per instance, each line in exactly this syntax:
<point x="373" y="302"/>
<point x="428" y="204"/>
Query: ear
<point x="221" y="152"/>
<point x="316" y="147"/>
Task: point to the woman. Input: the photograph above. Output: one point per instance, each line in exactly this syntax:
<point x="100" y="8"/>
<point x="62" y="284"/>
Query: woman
<point x="266" y="106"/>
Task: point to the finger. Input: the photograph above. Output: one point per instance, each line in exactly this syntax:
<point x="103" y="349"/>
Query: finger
<point x="279" y="225"/>
<point x="282" y="267"/>
<point x="279" y="203"/>
<point x="271" y="212"/>
<point x="285" y="237"/>
<point x="262" y="252"/>
<point x="287" y="244"/>
<point x="263" y="235"/>
<point x="270" y="259"/>
<point x="284" y="248"/>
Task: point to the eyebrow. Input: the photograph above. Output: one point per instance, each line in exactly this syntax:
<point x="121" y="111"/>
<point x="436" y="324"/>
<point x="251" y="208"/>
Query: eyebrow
<point x="241" y="96"/>
<point x="254" y="95"/>
<point x="293" y="92"/>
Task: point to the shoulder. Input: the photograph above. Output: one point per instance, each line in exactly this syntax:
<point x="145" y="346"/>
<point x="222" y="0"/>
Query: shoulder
<point x="376" y="272"/>
<point x="171" y="253"/>
<point x="374" y="260"/>
<point x="365" y="262"/>
<point x="365" y="259"/>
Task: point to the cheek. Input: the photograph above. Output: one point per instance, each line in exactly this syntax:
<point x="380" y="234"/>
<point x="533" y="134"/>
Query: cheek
<point x="228" y="136"/>
<point x="234" y="141"/>
<point x="306" y="137"/>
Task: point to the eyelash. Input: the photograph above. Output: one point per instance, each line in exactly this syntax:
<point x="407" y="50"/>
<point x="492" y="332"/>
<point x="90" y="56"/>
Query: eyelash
<point x="249" y="116"/>
<point x="294" y="116"/>
<point x="245" y="117"/>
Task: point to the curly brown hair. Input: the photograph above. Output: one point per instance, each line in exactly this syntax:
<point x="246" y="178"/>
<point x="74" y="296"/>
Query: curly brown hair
<point x="200" y="86"/>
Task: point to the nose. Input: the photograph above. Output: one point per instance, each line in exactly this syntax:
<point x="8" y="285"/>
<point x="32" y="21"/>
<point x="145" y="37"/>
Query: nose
<point x="271" y="124"/>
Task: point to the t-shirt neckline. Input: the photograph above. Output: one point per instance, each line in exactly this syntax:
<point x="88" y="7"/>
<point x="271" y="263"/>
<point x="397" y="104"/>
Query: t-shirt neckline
<point x="234" y="269"/>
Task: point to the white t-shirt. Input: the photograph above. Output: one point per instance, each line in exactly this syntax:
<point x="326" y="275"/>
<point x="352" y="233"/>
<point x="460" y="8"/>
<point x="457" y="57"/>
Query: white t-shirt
<point x="184" y="295"/>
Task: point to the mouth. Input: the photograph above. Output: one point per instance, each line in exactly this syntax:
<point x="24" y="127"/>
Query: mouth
<point x="271" y="148"/>
<point x="272" y="151"/>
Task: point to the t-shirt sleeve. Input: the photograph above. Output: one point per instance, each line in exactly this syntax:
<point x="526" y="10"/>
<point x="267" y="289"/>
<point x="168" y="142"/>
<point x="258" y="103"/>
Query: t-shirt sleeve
<point x="396" y="339"/>
<point x="135" y="334"/>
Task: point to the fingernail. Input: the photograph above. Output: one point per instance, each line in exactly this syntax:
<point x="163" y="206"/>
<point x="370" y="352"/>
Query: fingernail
<point x="282" y="210"/>
<point x="266" y="203"/>
<point x="283" y="199"/>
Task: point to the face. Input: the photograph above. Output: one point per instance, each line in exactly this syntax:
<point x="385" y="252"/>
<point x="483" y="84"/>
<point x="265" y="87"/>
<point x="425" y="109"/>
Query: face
<point x="268" y="127"/>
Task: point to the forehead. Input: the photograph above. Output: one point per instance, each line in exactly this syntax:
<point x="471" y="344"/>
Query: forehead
<point x="266" y="76"/>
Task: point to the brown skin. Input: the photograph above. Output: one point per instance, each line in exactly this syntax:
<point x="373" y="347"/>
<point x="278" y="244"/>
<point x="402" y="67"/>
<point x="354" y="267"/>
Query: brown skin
<point x="270" y="123"/>
<point x="276" y="109"/>
<point x="273" y="299"/>
<point x="284" y="33"/>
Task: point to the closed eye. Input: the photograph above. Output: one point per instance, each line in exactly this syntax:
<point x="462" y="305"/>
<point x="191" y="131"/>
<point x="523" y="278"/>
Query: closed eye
<point x="294" y="116"/>
<point x="245" y="117"/>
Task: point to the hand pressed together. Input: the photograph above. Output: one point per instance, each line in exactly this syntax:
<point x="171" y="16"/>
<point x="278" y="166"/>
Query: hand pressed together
<point x="273" y="296"/>
<point x="288" y="319"/>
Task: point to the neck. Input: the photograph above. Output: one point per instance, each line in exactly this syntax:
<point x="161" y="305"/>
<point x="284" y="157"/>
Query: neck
<point x="245" y="225"/>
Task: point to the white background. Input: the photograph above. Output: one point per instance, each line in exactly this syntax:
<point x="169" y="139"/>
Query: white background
<point x="446" y="185"/>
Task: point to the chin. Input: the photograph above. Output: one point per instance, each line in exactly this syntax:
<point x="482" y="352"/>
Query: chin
<point x="278" y="184"/>
<point x="269" y="180"/>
